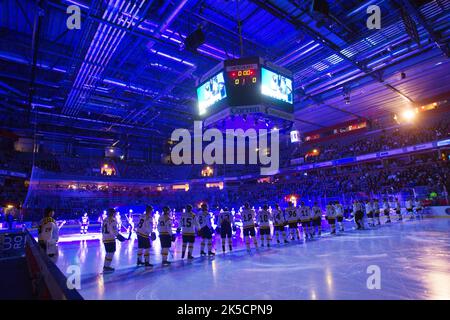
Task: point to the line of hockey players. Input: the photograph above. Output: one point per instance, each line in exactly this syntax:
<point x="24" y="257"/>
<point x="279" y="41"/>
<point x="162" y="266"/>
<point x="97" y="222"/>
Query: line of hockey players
<point x="190" y="224"/>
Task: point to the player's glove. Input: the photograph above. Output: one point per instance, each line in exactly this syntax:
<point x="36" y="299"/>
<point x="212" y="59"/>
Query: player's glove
<point x="234" y="228"/>
<point x="178" y="230"/>
<point x="153" y="236"/>
<point x="174" y="237"/>
<point x="218" y="230"/>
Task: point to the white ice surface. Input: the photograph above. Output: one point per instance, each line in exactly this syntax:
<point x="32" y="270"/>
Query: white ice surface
<point x="413" y="256"/>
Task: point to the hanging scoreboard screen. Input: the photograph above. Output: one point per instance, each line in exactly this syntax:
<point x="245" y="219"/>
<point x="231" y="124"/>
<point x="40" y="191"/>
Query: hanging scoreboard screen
<point x="245" y="82"/>
<point x="211" y="92"/>
<point x="276" y="86"/>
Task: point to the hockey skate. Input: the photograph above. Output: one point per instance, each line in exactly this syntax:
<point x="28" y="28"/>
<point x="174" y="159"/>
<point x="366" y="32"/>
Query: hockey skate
<point x="210" y="253"/>
<point x="139" y="263"/>
<point x="190" y="257"/>
<point x="147" y="264"/>
<point x="166" y="263"/>
<point x="230" y="247"/>
<point x="108" y="269"/>
<point x="202" y="253"/>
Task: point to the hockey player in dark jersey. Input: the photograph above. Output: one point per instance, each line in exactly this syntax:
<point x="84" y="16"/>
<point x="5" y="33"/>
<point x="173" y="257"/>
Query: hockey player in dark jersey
<point x="226" y="222"/>
<point x="317" y="219"/>
<point x="204" y="222"/>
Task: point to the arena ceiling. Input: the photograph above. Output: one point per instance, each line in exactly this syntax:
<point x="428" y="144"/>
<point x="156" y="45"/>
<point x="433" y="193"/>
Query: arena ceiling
<point x="127" y="72"/>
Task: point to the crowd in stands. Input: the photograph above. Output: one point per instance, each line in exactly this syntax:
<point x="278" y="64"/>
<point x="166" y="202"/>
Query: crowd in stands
<point x="384" y="140"/>
<point x="371" y="179"/>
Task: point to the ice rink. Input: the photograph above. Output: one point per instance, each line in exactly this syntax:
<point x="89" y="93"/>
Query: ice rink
<point x="413" y="257"/>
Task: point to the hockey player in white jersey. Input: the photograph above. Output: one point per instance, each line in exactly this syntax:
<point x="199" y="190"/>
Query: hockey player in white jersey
<point x="264" y="217"/>
<point x="204" y="222"/>
<point x="376" y="211"/>
<point x="84" y="223"/>
<point x="109" y="234"/>
<point x="305" y="217"/>
<point x="418" y="208"/>
<point x="409" y="208"/>
<point x="279" y="223"/>
<point x="387" y="210"/>
<point x="339" y="215"/>
<point x="48" y="233"/>
<point x="189" y="225"/>
<point x="292" y="219"/>
<point x="330" y="215"/>
<point x="369" y="213"/>
<point x="248" y="225"/>
<point x="165" y="234"/>
<point x="144" y="233"/>
<point x="226" y="223"/>
<point x="317" y="219"/>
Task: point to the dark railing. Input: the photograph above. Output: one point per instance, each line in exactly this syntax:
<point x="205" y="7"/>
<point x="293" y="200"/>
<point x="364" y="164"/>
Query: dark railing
<point x="48" y="282"/>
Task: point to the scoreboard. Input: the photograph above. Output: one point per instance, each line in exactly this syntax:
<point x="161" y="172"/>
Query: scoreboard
<point x="244" y="82"/>
<point x="242" y="75"/>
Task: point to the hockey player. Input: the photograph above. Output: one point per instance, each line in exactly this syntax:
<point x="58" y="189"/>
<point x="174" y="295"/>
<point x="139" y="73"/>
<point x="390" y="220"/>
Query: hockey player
<point x="165" y="234"/>
<point x="279" y="223"/>
<point x="248" y="225"/>
<point x="330" y="215"/>
<point x="398" y="209"/>
<point x="130" y="221"/>
<point x="387" y="210"/>
<point x="204" y="222"/>
<point x="264" y="218"/>
<point x="144" y="231"/>
<point x="119" y="221"/>
<point x="409" y="208"/>
<point x="84" y="223"/>
<point x="317" y="219"/>
<point x="305" y="218"/>
<point x="376" y="211"/>
<point x="292" y="219"/>
<point x="418" y="207"/>
<point x="109" y="234"/>
<point x="226" y="222"/>
<point x="358" y="214"/>
<point x="339" y="215"/>
<point x="369" y="213"/>
<point x="188" y="226"/>
<point x="48" y="233"/>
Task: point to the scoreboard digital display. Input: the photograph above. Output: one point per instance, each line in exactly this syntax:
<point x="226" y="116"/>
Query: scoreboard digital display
<point x="243" y="75"/>
<point x="245" y="82"/>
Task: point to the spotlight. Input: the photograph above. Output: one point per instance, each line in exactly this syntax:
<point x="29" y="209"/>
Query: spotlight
<point x="409" y="115"/>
